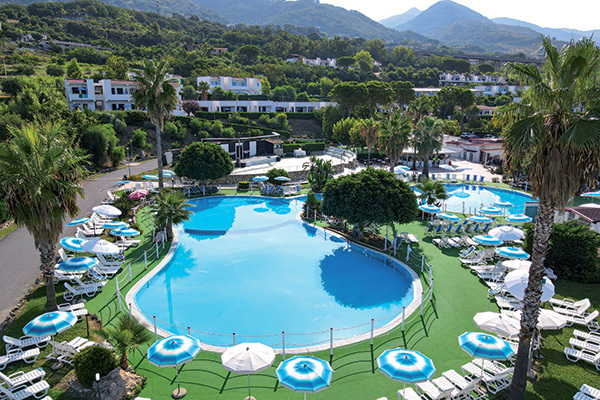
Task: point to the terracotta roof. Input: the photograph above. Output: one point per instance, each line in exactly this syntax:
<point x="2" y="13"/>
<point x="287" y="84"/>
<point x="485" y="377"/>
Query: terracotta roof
<point x="590" y="214"/>
<point x="122" y="81"/>
<point x="76" y="80"/>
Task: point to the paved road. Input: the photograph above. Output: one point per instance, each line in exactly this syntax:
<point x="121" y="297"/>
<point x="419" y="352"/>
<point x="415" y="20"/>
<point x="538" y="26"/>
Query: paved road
<point x="19" y="260"/>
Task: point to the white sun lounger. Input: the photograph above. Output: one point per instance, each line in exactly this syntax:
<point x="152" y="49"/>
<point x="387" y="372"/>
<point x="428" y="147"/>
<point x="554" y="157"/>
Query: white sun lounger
<point x="77" y="309"/>
<point x="575" y="355"/>
<point x="570" y="307"/>
<point x="23" y="342"/>
<point x="408" y="394"/>
<point x="495" y="379"/>
<point x="592" y="337"/>
<point x="64" y="352"/>
<point x="28" y="356"/>
<point x="73" y="292"/>
<point x="37" y="390"/>
<point x="22" y="378"/>
<point x="590" y="391"/>
<point x="589" y="320"/>
<point x="584" y="345"/>
<point x="104" y="262"/>
<point x="467" y="388"/>
<point x="432" y="391"/>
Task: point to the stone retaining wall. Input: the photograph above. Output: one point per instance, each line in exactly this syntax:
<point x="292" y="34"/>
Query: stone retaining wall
<point x="294" y="175"/>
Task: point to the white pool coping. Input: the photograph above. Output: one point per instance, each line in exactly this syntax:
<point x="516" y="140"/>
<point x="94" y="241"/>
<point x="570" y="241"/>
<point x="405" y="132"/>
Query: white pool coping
<point x="409" y="310"/>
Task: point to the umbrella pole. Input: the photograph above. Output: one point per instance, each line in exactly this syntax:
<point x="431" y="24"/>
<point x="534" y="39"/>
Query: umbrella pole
<point x="177" y="373"/>
<point x="304" y="396"/>
<point x="249" y="396"/>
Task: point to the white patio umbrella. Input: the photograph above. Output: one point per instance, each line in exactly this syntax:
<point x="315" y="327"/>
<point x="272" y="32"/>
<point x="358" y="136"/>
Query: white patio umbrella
<point x="516" y="282"/>
<point x="548" y="320"/>
<point x="107" y="210"/>
<point x="248" y="358"/>
<point x="497" y="323"/>
<point x="99" y="246"/>
<point x="507" y="233"/>
<point x="516" y="264"/>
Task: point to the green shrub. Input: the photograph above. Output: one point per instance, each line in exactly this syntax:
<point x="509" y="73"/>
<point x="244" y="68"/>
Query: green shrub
<point x="236" y="118"/>
<point x="135" y="117"/>
<point x="3" y="212"/>
<point x="243" y="185"/>
<point x="140" y="139"/>
<point x="573" y="251"/>
<point x="55" y="70"/>
<point x="91" y="361"/>
<point x="174" y="132"/>
<point x="310" y="204"/>
<point x="306" y="146"/>
<point x="117" y="155"/>
<point x="125" y="204"/>
<point x="274" y="173"/>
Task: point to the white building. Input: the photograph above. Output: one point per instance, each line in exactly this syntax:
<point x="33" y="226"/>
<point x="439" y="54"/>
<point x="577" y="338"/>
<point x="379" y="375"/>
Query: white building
<point x="107" y="94"/>
<point x="261" y="106"/>
<point x="323" y="62"/>
<point x="236" y="85"/>
<point x="447" y="79"/>
<point x="493" y="90"/>
<point x="486" y="110"/>
<point x="476" y="150"/>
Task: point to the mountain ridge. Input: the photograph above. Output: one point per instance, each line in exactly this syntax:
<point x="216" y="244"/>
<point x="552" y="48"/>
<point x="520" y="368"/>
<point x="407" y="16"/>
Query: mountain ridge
<point x="399" y="19"/>
<point x="559" y="33"/>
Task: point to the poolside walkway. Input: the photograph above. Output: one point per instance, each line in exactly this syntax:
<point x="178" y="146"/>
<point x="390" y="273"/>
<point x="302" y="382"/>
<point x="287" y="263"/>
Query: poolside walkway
<point x="20" y="261"/>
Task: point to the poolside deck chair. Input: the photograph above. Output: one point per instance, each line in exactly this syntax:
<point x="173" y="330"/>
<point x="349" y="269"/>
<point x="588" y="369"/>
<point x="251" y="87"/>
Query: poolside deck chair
<point x="438" y="230"/>
<point x="454" y="178"/>
<point x="468" y="241"/>
<point x="584" y="345"/>
<point x="110" y="198"/>
<point x="448" y="229"/>
<point x="408" y="394"/>
<point x="433" y="177"/>
<point x="591" y="337"/>
<point x="73" y="292"/>
<point x="474" y="178"/>
<point x="570" y="306"/>
<point x="409" y="237"/>
<point x="495" y="379"/>
<point x="433" y="392"/>
<point x="11" y="343"/>
<point x="467" y="252"/>
<point x="474" y="258"/>
<point x="481" y="179"/>
<point x="429" y="230"/>
<point x="106" y="272"/>
<point x="575" y="355"/>
<point x="61" y="276"/>
<point x="466" y="389"/>
<point x="445" y="242"/>
<point x="590" y="391"/>
<point x="65" y="351"/>
<point x="21" y="378"/>
<point x="447" y="177"/>
<point x="582" y="396"/>
<point x="589" y="320"/>
<point x="27" y="356"/>
<point x="505" y="304"/>
<point x="108" y="262"/>
<point x="37" y="390"/>
<point x="467" y="179"/>
<point x="77" y="309"/>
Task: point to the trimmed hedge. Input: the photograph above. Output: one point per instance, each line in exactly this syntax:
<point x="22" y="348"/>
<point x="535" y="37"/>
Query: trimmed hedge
<point x="306" y="146"/>
<point x="252" y="115"/>
<point x="243" y="185"/>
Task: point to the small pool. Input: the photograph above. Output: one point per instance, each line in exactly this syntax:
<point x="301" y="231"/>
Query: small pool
<point x="470" y="198"/>
<point x="247" y="265"/>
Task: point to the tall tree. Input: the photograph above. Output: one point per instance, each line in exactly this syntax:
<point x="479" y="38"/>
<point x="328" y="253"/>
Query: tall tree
<point x="348" y="95"/>
<point x="394" y="136"/>
<point x="369" y="131"/>
<point x="204" y="90"/>
<point x="158" y="97"/>
<point x="378" y="94"/>
<point x="404" y="92"/>
<point x="40" y="173"/>
<point x="564" y="146"/>
<point x="428" y="138"/>
<point x="116" y="68"/>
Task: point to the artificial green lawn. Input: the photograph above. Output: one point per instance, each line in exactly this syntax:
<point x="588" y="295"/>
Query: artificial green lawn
<point x="458" y="296"/>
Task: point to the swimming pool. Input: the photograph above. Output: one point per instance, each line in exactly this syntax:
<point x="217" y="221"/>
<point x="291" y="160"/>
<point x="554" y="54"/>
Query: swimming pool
<point x="470" y="198"/>
<point x="247" y="265"/>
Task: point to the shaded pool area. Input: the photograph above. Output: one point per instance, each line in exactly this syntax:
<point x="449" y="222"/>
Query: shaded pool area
<point x="247" y="265"/>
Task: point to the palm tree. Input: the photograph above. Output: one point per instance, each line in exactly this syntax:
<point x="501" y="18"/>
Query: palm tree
<point x="420" y="107"/>
<point x="564" y="148"/>
<point x="158" y="97"/>
<point x="369" y="131"/>
<point x="126" y="337"/>
<point x="394" y="136"/>
<point x="171" y="209"/>
<point x="428" y="139"/>
<point x="204" y="89"/>
<point x="40" y="174"/>
<point x="431" y="191"/>
<point x="319" y="172"/>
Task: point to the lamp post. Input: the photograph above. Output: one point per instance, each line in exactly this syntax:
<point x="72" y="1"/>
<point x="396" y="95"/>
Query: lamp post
<point x="128" y="162"/>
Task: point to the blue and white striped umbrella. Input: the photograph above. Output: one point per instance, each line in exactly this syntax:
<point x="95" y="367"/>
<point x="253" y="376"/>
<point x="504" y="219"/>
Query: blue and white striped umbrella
<point x="304" y="374"/>
<point x="512" y="252"/>
<point x="428" y="208"/>
<point x="151" y="177"/>
<point x="173" y="351"/>
<point x="449" y="217"/>
<point x="491" y="210"/>
<point x="79" y="221"/>
<point x="487" y="240"/>
<point x="125" y="232"/>
<point x="121" y="183"/>
<point x="168" y="173"/>
<point x="260" y="178"/>
<point x="503" y="204"/>
<point x="401" y="169"/>
<point x="115" y="225"/>
<point x="483" y="345"/>
<point x="591" y="194"/>
<point x="519" y="218"/>
<point x="72" y="243"/>
<point x="479" y="218"/>
<point x="78" y="264"/>
<point x="283" y="178"/>
<point x="406" y="366"/>
<point x="49" y="324"/>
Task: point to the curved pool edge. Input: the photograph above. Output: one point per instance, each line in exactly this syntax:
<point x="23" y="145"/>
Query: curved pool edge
<point x="409" y="310"/>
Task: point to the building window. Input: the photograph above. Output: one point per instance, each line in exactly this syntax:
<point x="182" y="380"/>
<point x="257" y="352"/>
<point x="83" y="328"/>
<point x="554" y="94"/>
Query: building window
<point x="214" y="83"/>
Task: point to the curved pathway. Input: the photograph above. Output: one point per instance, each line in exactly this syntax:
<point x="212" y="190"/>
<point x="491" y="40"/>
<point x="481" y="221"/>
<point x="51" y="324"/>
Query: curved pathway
<point x="19" y="259"/>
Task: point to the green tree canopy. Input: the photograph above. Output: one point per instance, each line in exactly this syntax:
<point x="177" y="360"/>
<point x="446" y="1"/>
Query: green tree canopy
<point x="372" y="195"/>
<point x="74" y="70"/>
<point x="100" y="140"/>
<point x="349" y="95"/>
<point x="345" y="130"/>
<point x="203" y="161"/>
<point x="404" y="92"/>
<point x="116" y="68"/>
<point x="379" y="94"/>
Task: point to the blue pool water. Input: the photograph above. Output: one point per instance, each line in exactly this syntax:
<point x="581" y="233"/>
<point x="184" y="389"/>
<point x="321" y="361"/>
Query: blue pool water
<point x="247" y="265"/>
<point x="470" y="198"/>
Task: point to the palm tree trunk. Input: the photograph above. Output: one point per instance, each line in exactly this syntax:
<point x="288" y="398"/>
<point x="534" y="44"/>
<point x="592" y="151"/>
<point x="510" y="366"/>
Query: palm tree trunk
<point x="533" y="294"/>
<point x="368" y="155"/>
<point x="160" y="160"/>
<point x="48" y="259"/>
<point x="426" y="168"/>
<point x="414" y="160"/>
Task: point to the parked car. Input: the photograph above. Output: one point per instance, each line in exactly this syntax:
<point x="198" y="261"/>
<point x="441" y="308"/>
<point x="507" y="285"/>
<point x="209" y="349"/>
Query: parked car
<point x="467" y="135"/>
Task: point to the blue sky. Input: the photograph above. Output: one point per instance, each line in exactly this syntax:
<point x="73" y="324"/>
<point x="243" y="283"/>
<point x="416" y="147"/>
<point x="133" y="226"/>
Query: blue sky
<point x="575" y="14"/>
